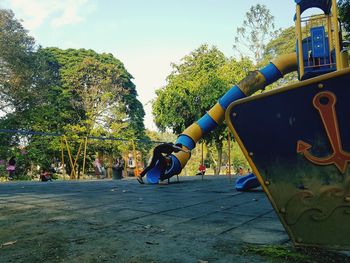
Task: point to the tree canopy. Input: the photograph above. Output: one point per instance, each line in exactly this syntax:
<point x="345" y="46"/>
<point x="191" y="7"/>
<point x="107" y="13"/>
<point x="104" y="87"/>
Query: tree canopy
<point x="344" y="14"/>
<point x="193" y="87"/>
<point x="76" y="92"/>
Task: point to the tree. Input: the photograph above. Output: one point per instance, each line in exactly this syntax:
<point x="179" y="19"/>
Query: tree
<point x="257" y="29"/>
<point x="100" y="91"/>
<point x="102" y="100"/>
<point x="344" y="13"/>
<point x="194" y="86"/>
<point x="27" y="88"/>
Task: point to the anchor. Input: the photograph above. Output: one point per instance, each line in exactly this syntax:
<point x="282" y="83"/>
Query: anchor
<point x="324" y="102"/>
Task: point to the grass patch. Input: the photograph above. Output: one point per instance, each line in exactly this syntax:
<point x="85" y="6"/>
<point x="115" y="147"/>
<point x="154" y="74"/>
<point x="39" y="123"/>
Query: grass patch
<point x="287" y="253"/>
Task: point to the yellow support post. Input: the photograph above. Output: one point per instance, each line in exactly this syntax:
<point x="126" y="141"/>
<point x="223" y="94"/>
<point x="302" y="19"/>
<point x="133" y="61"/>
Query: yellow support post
<point x="75" y="161"/>
<point x="69" y="154"/>
<point x="85" y="146"/>
<point x="62" y="159"/>
<point x="300" y="39"/>
<point x="229" y="153"/>
<point x="330" y="33"/>
<point x="336" y="34"/>
<point x="344" y="55"/>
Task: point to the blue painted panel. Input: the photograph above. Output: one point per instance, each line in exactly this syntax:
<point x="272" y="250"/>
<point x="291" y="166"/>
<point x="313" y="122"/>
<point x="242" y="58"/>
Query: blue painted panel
<point x="325" y="5"/>
<point x="318" y="40"/>
<point x="271" y="126"/>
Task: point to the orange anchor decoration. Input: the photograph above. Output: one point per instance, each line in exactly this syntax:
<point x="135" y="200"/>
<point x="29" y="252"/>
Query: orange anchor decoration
<point x="324" y="102"/>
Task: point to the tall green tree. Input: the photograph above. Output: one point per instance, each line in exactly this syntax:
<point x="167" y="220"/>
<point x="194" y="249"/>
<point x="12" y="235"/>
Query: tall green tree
<point x="102" y="100"/>
<point x="102" y="96"/>
<point x="27" y="88"/>
<point x="344" y="14"/>
<point x="257" y="29"/>
<point x="194" y="86"/>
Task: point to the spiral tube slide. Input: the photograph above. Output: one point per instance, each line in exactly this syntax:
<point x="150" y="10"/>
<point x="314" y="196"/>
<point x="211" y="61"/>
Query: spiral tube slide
<point x="255" y="80"/>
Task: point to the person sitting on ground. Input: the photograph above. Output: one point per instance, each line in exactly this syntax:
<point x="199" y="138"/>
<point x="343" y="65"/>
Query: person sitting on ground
<point x="240" y="171"/>
<point x="201" y="169"/>
<point x="164" y="161"/>
<point x="45" y="176"/>
<point x="11" y="168"/>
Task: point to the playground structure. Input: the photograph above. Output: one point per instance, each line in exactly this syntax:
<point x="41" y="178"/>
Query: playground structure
<point x="74" y="158"/>
<point x="300" y="148"/>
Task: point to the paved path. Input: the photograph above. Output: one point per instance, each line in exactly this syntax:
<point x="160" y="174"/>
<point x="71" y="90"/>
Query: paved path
<point x="122" y="221"/>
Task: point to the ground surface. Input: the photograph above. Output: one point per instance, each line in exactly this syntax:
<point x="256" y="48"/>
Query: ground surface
<point x="122" y="221"/>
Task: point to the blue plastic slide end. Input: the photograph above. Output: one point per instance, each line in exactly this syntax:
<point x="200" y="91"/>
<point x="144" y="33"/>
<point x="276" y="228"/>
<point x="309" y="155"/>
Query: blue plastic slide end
<point x="233" y="94"/>
<point x="271" y="73"/>
<point x="246" y="182"/>
<point x="186" y="141"/>
<point x="153" y="175"/>
<point x="207" y="123"/>
<point x="175" y="167"/>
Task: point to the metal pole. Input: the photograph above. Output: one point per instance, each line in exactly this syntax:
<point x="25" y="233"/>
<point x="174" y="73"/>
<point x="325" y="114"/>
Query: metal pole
<point x="229" y="153"/>
<point x="202" y="159"/>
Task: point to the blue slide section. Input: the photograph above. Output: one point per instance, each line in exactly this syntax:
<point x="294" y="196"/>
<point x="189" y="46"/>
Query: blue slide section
<point x="233" y="94"/>
<point x="271" y="74"/>
<point x="207" y="124"/>
<point x="246" y="182"/>
<point x="186" y="141"/>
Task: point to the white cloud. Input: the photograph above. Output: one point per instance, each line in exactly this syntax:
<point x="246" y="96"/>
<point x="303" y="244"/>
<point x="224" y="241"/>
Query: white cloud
<point x="56" y="13"/>
<point x="70" y="13"/>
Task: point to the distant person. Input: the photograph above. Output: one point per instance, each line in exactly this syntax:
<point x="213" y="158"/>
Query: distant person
<point x="45" y="176"/>
<point x="201" y="169"/>
<point x="117" y="169"/>
<point x="164" y="160"/>
<point x="11" y="168"/>
<point x="122" y="166"/>
<point x="98" y="168"/>
<point x="53" y="167"/>
<point x="240" y="171"/>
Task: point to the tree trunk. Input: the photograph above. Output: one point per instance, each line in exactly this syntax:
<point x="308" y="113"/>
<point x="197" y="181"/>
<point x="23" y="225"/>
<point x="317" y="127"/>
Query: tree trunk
<point x="79" y="171"/>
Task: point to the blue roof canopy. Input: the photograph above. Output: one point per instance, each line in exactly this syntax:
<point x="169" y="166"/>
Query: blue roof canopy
<point x="325" y="5"/>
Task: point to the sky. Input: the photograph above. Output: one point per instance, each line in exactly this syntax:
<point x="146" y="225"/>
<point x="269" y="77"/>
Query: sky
<point x="146" y="35"/>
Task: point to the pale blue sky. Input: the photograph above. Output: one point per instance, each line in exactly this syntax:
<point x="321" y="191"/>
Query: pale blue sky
<point x="146" y="35"/>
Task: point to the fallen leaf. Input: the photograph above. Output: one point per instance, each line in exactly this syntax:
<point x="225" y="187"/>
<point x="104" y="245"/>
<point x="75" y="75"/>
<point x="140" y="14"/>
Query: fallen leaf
<point x="10" y="243"/>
